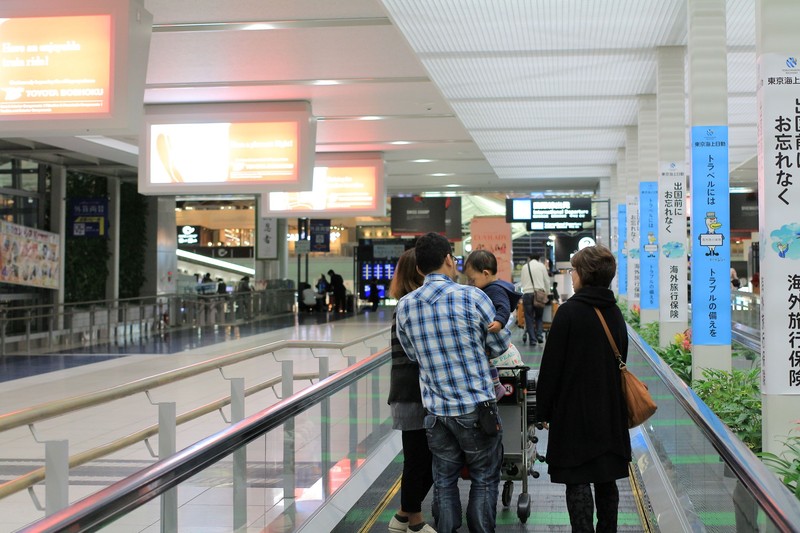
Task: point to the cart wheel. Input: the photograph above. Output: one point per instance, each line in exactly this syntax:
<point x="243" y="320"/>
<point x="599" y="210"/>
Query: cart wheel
<point x="534" y="473"/>
<point x="508" y="491"/>
<point x="541" y="458"/>
<point x="524" y="507"/>
<point x="533" y="438"/>
<point x="524" y="337"/>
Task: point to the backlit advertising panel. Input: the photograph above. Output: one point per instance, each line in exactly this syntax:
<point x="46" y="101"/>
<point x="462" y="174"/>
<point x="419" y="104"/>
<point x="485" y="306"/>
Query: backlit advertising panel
<point x="72" y="67"/>
<point x="227" y="148"/>
<point x="347" y="184"/>
<point x="29" y="256"/>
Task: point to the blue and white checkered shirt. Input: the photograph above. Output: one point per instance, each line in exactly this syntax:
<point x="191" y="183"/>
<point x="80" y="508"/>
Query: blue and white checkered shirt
<point x="443" y="326"/>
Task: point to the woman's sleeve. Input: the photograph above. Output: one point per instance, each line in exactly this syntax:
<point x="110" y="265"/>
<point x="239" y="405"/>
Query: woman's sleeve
<point x="552" y="368"/>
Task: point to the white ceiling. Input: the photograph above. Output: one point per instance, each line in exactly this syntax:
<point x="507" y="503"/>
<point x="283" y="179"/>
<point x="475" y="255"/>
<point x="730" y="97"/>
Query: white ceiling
<point x="500" y="95"/>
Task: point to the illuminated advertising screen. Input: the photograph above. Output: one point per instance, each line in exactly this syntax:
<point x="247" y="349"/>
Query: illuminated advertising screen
<point x="72" y="67"/>
<point x="349" y="184"/>
<point x="226" y="148"/>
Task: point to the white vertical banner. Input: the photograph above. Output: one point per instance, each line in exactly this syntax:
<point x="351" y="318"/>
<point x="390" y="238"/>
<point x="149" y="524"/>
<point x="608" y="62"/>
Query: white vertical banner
<point x="633" y="249"/>
<point x="673" y="260"/>
<point x="778" y="97"/>
<point x="267" y="238"/>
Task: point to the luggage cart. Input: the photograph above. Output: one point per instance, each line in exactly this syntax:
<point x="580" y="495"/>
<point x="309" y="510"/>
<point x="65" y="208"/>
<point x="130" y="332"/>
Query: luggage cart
<point x="517" y="411"/>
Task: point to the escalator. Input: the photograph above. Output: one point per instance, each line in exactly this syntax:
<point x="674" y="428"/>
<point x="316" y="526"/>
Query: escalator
<point x="326" y="459"/>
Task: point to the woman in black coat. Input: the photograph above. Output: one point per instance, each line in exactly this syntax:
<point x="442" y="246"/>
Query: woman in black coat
<point x="579" y="395"/>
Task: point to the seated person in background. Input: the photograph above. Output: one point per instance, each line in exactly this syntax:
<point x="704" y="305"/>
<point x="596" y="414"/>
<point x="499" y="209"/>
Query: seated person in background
<point x="374" y="296"/>
<point x="308" y="298"/>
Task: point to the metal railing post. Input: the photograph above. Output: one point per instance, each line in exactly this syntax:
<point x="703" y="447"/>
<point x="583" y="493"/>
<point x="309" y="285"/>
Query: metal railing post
<point x="167" y="430"/>
<point x="287" y="389"/>
<point x="239" y="459"/>
<point x="56" y="468"/>
<point x="352" y="414"/>
<point x="28" y="330"/>
<point x="92" y="311"/>
<point x="3" y="324"/>
<point x="376" y="398"/>
<point x="325" y="429"/>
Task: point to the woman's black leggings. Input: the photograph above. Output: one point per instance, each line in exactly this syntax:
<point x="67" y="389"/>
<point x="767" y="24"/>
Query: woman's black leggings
<point x="581" y="507"/>
<point x="417" y="471"/>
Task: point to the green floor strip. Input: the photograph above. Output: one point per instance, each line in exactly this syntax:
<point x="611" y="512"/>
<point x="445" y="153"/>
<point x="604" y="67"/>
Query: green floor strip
<point x="718" y="519"/>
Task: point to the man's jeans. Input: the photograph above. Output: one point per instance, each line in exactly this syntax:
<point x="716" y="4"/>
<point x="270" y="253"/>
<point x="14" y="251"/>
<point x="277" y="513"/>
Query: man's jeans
<point x="534" y="324"/>
<point x="455" y="442"/>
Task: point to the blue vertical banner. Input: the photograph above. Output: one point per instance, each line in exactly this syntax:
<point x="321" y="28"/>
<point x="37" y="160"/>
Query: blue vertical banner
<point x="622" y="249"/>
<point x="88" y="217"/>
<point x="711" y="252"/>
<point x="648" y="244"/>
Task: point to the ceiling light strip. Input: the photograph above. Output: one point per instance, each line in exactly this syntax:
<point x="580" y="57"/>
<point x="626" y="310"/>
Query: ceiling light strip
<point x="197" y="258"/>
<point x="266" y="25"/>
<point x="272" y="83"/>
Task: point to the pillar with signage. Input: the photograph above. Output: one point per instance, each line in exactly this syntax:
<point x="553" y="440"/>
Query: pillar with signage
<point x="779" y="216"/>
<point x="648" y="206"/>
<point x="632" y="213"/>
<point x="673" y="259"/>
<point x="711" y="288"/>
<point x="622" y="253"/>
<point x="648" y="251"/>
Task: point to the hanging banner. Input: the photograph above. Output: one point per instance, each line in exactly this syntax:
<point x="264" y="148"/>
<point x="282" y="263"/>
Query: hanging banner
<point x="320" y="231"/>
<point x="622" y="251"/>
<point x="494" y="235"/>
<point x="28" y="256"/>
<point x="88" y="217"/>
<point x="267" y="243"/>
<point x="632" y="226"/>
<point x="648" y="244"/>
<point x="672" y="262"/>
<point x="711" y="252"/>
<point x="779" y="222"/>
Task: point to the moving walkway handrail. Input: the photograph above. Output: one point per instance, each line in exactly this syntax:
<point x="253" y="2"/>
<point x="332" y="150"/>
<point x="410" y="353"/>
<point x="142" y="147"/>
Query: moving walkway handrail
<point x="780" y="506"/>
<point x="54" y="408"/>
<point x="124" y="496"/>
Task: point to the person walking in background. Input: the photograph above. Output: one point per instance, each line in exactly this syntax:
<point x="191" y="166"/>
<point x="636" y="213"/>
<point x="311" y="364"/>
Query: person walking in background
<point x="222" y="287"/>
<point x="243" y="292"/>
<point x="339" y="300"/>
<point x="408" y="414"/>
<point x="461" y="424"/>
<point x="579" y="395"/>
<point x="533" y="278"/>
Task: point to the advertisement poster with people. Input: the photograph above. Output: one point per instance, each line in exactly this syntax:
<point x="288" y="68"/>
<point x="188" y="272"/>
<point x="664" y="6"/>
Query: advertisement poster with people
<point x="28" y="256"/>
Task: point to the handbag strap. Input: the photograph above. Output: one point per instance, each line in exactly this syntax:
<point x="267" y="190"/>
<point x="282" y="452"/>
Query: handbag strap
<point x="610" y="338"/>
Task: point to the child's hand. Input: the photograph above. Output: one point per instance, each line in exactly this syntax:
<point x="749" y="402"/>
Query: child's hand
<point x="495" y="326"/>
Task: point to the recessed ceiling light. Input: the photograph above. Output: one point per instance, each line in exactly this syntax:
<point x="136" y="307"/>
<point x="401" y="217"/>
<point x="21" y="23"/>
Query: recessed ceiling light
<point x="438" y="174"/>
<point x="371" y="117"/>
<point x="422" y="160"/>
<point x="401" y="142"/>
<point x="325" y="82"/>
<point x="452" y="185"/>
<point x="259" y="26"/>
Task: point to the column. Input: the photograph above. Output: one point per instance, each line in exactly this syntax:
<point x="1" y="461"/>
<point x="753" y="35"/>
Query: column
<point x="621" y="212"/>
<point x="112" y="282"/>
<point x="162" y="244"/>
<point x="648" y="209"/>
<point x="602" y="220"/>
<point x="613" y="225"/>
<point x="708" y="110"/>
<point x="58" y="225"/>
<point x="779" y="216"/>
<point x="673" y="259"/>
<point x="632" y="212"/>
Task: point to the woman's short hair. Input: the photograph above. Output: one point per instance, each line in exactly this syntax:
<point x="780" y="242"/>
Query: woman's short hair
<point x="595" y="265"/>
<point x="406" y="277"/>
<point x="431" y="251"/>
<point x="480" y="260"/>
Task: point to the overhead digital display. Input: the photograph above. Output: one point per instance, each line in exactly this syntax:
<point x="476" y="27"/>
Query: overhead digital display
<point x="550" y="213"/>
<point x="72" y="68"/>
<point x="227" y="148"/>
<point x="349" y="184"/>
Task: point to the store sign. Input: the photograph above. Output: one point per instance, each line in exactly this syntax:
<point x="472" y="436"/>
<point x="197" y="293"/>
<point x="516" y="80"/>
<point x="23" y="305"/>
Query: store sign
<point x="711" y="252"/>
<point x="779" y="222"/>
<point x="555" y="213"/>
<point x="267" y="238"/>
<point x="188" y="236"/>
<point x="320" y="232"/>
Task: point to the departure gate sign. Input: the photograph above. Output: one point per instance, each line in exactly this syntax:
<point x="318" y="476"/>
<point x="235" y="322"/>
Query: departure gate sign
<point x="548" y="214"/>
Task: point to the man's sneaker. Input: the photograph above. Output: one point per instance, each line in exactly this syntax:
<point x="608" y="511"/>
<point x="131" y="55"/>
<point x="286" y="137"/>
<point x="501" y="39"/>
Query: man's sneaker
<point x="396" y="526"/>
<point x="425" y="529"/>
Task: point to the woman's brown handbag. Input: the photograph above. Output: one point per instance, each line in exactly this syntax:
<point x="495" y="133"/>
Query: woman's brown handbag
<point x="640" y="404"/>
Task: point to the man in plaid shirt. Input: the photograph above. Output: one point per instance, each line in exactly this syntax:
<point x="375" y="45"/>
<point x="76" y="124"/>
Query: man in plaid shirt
<point x="443" y="326"/>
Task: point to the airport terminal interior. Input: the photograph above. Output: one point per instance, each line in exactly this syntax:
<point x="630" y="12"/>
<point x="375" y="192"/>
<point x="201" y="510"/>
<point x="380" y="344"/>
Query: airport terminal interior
<point x="204" y="204"/>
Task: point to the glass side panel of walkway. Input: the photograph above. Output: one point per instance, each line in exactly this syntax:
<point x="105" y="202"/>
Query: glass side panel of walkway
<point x="326" y="459"/>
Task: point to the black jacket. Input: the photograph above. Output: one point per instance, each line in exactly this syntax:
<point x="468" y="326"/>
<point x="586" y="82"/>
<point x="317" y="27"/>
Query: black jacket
<point x="579" y="390"/>
<point x="504" y="298"/>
